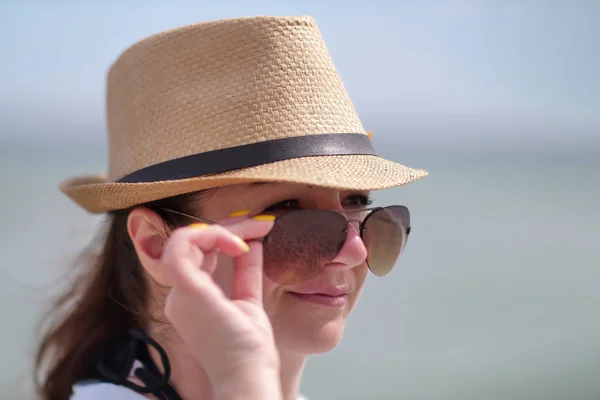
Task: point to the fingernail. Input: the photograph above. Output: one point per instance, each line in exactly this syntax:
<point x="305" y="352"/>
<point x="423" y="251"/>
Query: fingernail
<point x="243" y="244"/>
<point x="264" y="217"/>
<point x="240" y="213"/>
<point x="198" y="225"/>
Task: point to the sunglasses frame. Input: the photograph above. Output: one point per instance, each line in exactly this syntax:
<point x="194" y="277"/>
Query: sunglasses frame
<point x="361" y="226"/>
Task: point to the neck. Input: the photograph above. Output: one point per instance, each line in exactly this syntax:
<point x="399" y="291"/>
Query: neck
<point x="191" y="382"/>
<point x="291" y="373"/>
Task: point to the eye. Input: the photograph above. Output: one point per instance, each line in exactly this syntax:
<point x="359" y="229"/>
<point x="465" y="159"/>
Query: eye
<point x="354" y="201"/>
<point x="286" y="205"/>
<point x="357" y="201"/>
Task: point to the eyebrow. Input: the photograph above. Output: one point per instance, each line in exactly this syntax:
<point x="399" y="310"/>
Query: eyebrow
<point x="256" y="184"/>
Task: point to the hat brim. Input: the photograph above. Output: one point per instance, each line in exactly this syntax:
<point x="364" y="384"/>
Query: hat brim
<point x="347" y="172"/>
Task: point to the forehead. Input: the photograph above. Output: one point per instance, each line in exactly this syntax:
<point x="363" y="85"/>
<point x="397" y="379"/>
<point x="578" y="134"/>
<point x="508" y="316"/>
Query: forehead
<point x="262" y="189"/>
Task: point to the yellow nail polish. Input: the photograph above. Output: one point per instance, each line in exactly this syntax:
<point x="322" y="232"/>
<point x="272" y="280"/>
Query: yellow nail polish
<point x="240" y="213"/>
<point x="264" y="217"/>
<point x="199" y="225"/>
<point x="243" y="244"/>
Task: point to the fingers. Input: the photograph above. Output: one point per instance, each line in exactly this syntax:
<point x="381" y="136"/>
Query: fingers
<point x="195" y="300"/>
<point x="248" y="268"/>
<point x="189" y="260"/>
<point x="195" y="246"/>
<point x="215" y="237"/>
<point x="247" y="275"/>
<point x="194" y="307"/>
<point x="185" y="250"/>
<point x="248" y="228"/>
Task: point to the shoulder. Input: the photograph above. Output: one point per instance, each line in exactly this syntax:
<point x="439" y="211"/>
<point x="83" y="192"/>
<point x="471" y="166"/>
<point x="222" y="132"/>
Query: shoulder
<point x="101" y="390"/>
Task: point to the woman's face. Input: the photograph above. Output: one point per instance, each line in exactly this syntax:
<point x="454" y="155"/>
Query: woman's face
<point x="303" y="322"/>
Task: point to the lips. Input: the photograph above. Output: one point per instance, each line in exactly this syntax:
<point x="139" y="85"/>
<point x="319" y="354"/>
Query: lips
<point x="331" y="291"/>
<point x="329" y="297"/>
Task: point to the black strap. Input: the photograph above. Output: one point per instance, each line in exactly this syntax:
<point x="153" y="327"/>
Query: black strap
<point x="115" y="364"/>
<point x="250" y="155"/>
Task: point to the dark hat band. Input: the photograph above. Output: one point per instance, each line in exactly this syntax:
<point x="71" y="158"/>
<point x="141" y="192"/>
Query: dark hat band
<point x="250" y="155"/>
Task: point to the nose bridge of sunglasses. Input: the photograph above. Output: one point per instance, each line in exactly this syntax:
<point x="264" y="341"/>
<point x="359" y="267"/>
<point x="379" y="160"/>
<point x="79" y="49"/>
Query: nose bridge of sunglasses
<point x="355" y="225"/>
<point x="355" y="221"/>
<point x="355" y="218"/>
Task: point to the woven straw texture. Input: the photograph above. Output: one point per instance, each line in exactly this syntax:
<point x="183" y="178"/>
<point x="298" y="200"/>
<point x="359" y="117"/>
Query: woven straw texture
<point x="226" y="83"/>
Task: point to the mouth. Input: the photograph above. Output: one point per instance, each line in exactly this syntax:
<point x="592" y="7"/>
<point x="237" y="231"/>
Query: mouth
<point x="332" y="296"/>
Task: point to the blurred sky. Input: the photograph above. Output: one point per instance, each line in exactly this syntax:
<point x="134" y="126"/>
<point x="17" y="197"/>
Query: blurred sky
<point x="528" y="68"/>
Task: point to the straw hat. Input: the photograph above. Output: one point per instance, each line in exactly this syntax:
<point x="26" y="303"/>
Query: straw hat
<point x="230" y="101"/>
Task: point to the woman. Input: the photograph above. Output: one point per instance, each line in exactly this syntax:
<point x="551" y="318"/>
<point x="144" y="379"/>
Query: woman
<point x="240" y="233"/>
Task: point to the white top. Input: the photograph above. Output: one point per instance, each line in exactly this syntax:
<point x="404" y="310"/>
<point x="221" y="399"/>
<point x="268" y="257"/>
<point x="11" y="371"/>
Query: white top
<point x="103" y="391"/>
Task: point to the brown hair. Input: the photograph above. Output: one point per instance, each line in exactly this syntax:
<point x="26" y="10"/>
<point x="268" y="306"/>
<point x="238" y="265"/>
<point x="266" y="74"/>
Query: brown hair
<point x="107" y="297"/>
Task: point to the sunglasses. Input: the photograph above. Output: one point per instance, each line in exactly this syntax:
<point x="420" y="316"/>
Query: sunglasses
<point x="302" y="242"/>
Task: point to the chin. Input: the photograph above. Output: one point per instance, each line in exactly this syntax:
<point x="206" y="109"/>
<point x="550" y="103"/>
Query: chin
<point x="308" y="326"/>
<point x="306" y="336"/>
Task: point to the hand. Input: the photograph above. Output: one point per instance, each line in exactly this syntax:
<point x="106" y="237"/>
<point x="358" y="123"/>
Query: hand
<point x="232" y="338"/>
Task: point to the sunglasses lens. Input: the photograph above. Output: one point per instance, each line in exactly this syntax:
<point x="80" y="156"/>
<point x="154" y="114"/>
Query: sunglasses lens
<point x="300" y="243"/>
<point x="385" y="233"/>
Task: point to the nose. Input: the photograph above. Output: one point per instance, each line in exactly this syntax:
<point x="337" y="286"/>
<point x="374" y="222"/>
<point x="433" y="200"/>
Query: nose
<point x="353" y="253"/>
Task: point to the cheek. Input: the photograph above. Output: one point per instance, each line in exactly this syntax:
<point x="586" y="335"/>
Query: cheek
<point x="361" y="273"/>
<point x="271" y="291"/>
<point x="360" y="276"/>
